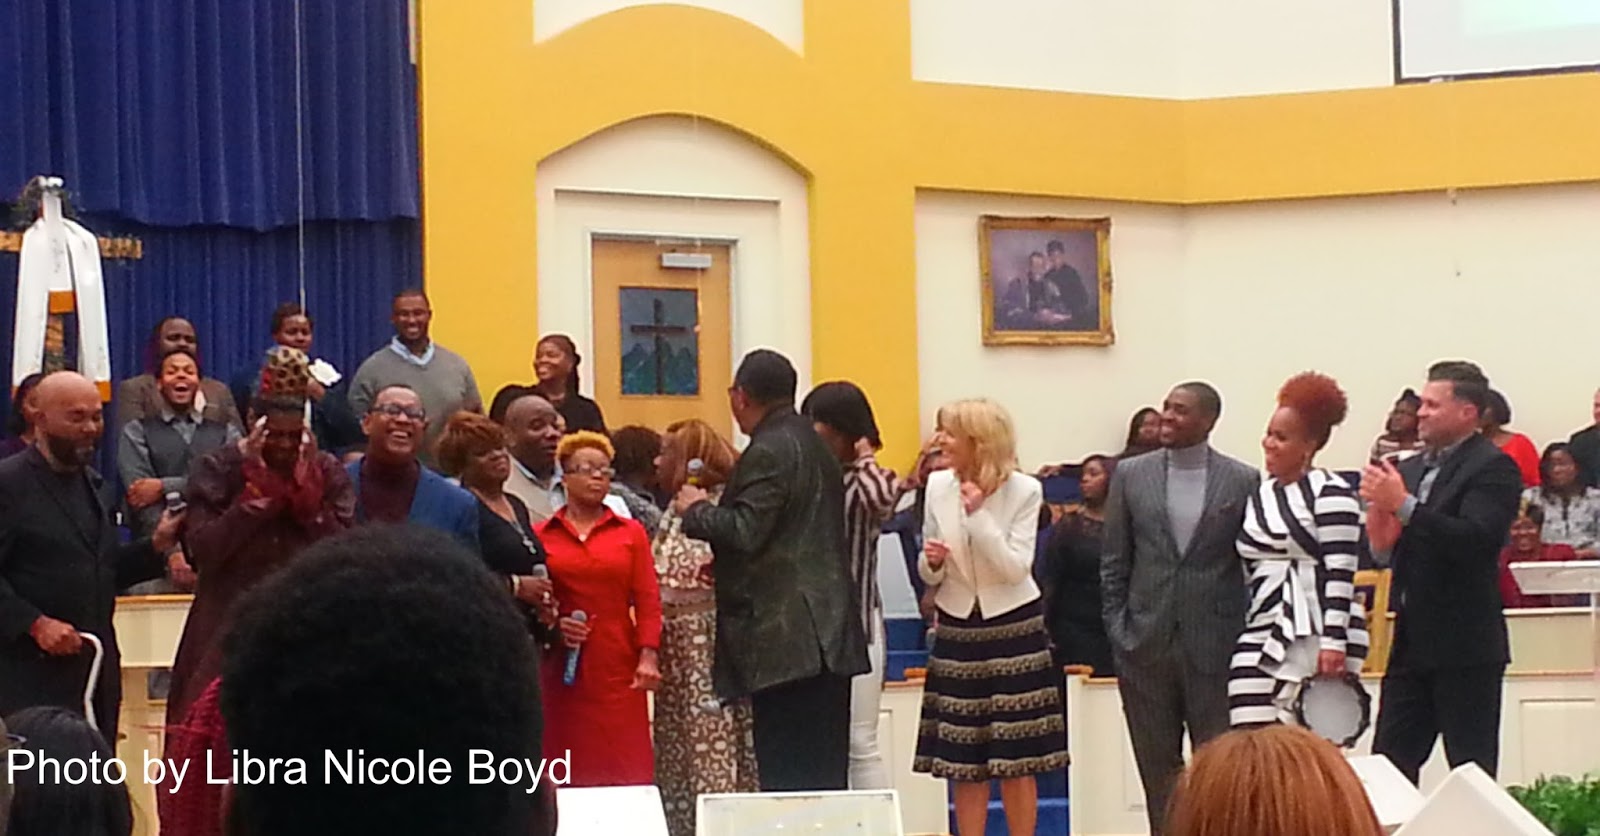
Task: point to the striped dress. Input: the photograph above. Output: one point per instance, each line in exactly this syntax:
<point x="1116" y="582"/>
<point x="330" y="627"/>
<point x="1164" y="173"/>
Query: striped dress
<point x="1300" y="546"/>
<point x="870" y="493"/>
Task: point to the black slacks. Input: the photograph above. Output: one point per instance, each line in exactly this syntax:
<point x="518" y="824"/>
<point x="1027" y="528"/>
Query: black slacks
<point x="802" y="734"/>
<point x="1462" y="704"/>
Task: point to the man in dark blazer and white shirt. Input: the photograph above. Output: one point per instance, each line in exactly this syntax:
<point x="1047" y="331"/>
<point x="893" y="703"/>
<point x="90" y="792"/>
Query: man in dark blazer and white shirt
<point x="789" y="632"/>
<point x="1442" y="518"/>
<point x="60" y="560"/>
<point x="1173" y="587"/>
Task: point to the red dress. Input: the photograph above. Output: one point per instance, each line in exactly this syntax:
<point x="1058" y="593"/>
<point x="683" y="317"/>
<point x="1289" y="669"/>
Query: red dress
<point x="1521" y="450"/>
<point x="600" y="718"/>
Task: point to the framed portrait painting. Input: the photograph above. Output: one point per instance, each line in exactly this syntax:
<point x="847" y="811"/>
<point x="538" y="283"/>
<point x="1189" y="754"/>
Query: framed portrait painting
<point x="1046" y="281"/>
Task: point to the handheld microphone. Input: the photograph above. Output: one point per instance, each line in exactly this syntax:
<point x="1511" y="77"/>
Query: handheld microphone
<point x="175" y="506"/>
<point x="694" y="467"/>
<point x="570" y="675"/>
<point x="540" y="572"/>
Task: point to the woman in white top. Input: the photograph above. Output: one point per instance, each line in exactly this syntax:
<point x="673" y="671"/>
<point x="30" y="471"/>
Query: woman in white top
<point x="992" y="704"/>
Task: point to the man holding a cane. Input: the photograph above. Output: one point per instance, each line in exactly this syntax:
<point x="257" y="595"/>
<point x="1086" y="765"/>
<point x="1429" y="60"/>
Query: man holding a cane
<point x="60" y="560"/>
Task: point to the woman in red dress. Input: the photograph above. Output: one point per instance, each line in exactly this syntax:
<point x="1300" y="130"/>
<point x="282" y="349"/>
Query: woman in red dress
<point x="601" y="564"/>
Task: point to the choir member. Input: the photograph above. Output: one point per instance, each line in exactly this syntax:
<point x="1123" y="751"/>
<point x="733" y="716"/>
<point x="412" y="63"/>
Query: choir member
<point x="602" y="566"/>
<point x="702" y="746"/>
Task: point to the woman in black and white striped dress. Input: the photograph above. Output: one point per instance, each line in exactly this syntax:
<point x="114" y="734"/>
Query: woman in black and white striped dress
<point x="1300" y="544"/>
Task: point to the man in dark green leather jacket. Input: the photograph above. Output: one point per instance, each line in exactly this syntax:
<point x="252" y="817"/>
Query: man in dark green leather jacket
<point x="788" y="627"/>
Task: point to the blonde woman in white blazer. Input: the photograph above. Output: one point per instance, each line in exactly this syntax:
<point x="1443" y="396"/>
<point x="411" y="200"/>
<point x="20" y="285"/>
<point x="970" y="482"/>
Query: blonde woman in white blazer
<point x="992" y="704"/>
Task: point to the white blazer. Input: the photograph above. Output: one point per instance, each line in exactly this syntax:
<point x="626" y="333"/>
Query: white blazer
<point x="991" y="549"/>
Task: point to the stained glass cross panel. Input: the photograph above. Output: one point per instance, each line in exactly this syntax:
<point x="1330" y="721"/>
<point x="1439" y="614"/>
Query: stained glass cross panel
<point x="660" y="341"/>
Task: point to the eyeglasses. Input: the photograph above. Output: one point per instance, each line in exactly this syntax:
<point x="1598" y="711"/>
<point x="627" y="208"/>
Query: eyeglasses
<point x="598" y="472"/>
<point x="394" y="410"/>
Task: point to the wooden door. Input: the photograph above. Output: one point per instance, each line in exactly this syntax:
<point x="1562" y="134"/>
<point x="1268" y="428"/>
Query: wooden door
<point x="662" y="336"/>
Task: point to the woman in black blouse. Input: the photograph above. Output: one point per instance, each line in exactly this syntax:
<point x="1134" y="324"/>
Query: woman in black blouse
<point x="473" y="449"/>
<point x="555" y="361"/>
<point x="1070" y="575"/>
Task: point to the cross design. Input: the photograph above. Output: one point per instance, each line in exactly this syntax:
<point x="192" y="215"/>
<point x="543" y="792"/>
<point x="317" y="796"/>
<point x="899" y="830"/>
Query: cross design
<point x="659" y="330"/>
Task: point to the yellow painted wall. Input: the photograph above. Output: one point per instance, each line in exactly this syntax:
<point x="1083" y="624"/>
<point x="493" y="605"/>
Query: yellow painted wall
<point x="847" y="115"/>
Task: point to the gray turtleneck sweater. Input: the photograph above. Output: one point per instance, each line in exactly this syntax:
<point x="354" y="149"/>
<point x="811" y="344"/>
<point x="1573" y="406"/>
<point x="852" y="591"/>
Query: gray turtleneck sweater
<point x="1186" y="491"/>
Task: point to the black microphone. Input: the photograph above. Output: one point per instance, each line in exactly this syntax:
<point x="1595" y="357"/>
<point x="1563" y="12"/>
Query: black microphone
<point x="570" y="675"/>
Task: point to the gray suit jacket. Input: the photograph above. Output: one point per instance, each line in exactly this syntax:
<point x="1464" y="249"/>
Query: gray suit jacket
<point x="1156" y="600"/>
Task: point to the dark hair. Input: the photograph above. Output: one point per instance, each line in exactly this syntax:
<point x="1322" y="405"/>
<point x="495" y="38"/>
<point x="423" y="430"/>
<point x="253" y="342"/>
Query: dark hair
<point x="44" y="805"/>
<point x="17" y="421"/>
<point x="152" y="352"/>
<point x="387" y="639"/>
<point x="1467" y="381"/>
<point x="767" y="377"/>
<point x="1208" y="396"/>
<point x="411" y="292"/>
<point x="1409" y="396"/>
<point x="265" y="405"/>
<point x="1035" y="254"/>
<point x="1055" y="246"/>
<point x="636" y="451"/>
<point x="1499" y="408"/>
<point x="1107" y="462"/>
<point x="1136" y="423"/>
<point x="565" y="343"/>
<point x="284" y="312"/>
<point x="378" y="395"/>
<point x="179" y="350"/>
<point x="842" y="405"/>
<point x="1549" y="453"/>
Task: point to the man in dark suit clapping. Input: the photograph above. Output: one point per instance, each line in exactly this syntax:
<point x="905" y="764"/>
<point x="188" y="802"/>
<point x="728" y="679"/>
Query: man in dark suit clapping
<point x="789" y="631"/>
<point x="1173" y="588"/>
<point x="60" y="562"/>
<point x="1442" y="517"/>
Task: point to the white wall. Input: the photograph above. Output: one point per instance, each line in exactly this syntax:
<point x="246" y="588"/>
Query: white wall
<point x="1082" y="46"/>
<point x="1180" y="49"/>
<point x="679" y="178"/>
<point x="782" y="19"/>
<point x="1369" y="290"/>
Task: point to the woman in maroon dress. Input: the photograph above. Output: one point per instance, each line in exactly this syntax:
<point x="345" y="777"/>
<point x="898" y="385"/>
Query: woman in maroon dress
<point x="253" y="506"/>
<point x="601" y="564"/>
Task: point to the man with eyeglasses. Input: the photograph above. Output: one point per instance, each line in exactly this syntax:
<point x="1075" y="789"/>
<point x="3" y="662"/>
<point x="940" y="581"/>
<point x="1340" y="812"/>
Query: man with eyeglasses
<point x="789" y="633"/>
<point x="393" y="486"/>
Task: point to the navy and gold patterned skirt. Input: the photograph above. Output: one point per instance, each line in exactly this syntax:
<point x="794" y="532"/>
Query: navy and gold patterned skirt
<point x="991" y="707"/>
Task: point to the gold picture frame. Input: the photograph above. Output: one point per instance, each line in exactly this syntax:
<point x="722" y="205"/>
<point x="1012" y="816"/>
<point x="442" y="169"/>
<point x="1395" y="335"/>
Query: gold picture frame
<point x="1045" y="280"/>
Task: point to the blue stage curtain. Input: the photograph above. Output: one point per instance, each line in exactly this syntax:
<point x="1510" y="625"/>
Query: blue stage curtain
<point x="182" y="112"/>
<point x="227" y="282"/>
<point x="174" y="121"/>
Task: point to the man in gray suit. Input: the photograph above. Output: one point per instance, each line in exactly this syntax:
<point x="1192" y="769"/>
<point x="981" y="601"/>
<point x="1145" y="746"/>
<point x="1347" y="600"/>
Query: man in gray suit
<point x="1173" y="587"/>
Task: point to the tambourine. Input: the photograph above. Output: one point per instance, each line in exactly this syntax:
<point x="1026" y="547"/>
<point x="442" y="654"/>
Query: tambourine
<point x="1335" y="708"/>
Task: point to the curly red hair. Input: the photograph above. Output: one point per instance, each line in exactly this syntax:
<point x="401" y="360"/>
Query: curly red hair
<point x="1318" y="401"/>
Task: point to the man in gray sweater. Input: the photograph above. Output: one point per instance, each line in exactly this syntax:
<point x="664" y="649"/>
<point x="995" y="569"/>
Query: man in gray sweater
<point x="439" y="376"/>
<point x="1173" y="587"/>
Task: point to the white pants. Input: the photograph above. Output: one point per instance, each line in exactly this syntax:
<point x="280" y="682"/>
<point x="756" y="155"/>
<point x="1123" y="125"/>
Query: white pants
<point x="867" y="771"/>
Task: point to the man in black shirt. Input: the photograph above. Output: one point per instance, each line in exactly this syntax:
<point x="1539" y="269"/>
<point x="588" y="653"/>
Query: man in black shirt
<point x="60" y="560"/>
